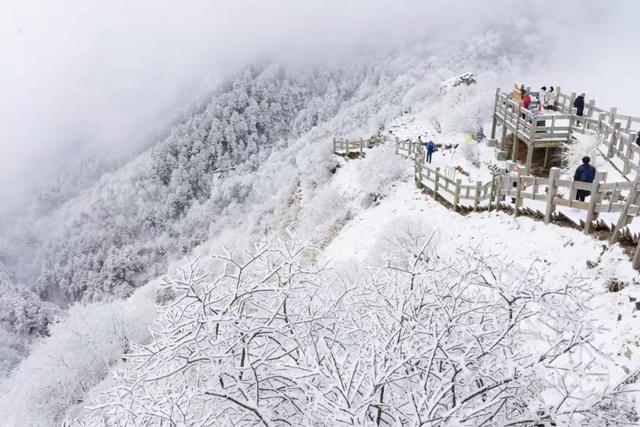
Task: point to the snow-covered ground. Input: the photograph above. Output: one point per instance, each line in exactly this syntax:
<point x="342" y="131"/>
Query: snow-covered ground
<point x="359" y="230"/>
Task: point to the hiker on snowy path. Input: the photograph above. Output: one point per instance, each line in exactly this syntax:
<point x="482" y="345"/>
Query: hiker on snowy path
<point x="430" y="148"/>
<point x="584" y="173"/>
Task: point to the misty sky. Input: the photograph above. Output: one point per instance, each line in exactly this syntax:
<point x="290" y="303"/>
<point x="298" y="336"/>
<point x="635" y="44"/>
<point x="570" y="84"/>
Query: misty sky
<point x="78" y="74"/>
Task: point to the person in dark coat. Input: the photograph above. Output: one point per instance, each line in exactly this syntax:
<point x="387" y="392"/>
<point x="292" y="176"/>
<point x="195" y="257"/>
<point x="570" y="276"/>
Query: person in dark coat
<point x="638" y="139"/>
<point x="578" y="104"/>
<point x="584" y="173"/>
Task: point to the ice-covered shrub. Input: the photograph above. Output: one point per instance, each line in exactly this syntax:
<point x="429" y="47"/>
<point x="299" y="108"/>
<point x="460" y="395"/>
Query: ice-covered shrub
<point x="331" y="212"/>
<point x="435" y="124"/>
<point x="78" y="354"/>
<point x="379" y="168"/>
<point x="470" y="152"/>
<point x="24" y="317"/>
<point x="584" y="145"/>
<point x="23" y="312"/>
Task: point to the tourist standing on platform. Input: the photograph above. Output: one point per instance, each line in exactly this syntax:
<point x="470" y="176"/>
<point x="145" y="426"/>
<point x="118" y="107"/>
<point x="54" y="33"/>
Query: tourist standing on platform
<point x="584" y="173"/>
<point x="542" y="96"/>
<point x="526" y="100"/>
<point x="578" y="104"/>
<point x="552" y="97"/>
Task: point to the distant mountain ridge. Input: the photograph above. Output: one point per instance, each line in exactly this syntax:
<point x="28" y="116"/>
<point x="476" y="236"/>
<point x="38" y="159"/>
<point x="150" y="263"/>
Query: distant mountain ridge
<point x="116" y="234"/>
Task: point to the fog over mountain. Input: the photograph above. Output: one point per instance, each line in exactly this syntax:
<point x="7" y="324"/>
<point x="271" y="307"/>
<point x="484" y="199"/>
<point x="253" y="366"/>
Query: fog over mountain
<point x="103" y="77"/>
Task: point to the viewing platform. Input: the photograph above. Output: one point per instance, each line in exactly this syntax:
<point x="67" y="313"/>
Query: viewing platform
<point x="525" y="133"/>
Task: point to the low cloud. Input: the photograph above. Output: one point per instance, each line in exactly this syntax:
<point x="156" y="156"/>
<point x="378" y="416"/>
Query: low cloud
<point x="102" y="75"/>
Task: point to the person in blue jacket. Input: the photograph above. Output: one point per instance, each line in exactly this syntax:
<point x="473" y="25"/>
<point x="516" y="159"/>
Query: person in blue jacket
<point x="584" y="173"/>
<point x="429" y="148"/>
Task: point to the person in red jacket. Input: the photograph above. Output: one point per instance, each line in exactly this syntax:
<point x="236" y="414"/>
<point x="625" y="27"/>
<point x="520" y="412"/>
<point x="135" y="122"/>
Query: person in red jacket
<point x="526" y="100"/>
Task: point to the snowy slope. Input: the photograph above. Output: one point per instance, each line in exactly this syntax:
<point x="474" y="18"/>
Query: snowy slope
<point x="359" y="233"/>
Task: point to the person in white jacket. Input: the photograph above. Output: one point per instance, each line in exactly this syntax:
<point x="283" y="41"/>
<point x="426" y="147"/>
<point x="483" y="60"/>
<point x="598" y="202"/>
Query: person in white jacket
<point x="542" y="96"/>
<point x="551" y="98"/>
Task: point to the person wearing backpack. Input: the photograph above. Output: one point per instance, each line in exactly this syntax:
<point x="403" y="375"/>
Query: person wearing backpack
<point x="430" y="148"/>
<point x="584" y="173"/>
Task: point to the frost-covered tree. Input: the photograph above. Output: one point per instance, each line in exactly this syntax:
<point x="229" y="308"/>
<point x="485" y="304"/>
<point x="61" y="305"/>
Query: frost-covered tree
<point x="271" y="338"/>
<point x="24" y="317"/>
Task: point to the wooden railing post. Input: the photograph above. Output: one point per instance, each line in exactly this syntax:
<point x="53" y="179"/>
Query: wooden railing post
<point x="636" y="258"/>
<point x="518" y="198"/>
<point x="495" y="108"/>
<point x="592" y="103"/>
<point x="572" y="123"/>
<point x="615" y="130"/>
<point x="622" y="139"/>
<point x="571" y="100"/>
<point x="601" y="117"/>
<point x="514" y="149"/>
<point x="551" y="193"/>
<point x="456" y="197"/>
<point x="418" y="172"/>
<point x="623" y="219"/>
<point x="436" y="182"/>
<point x="531" y="146"/>
<point x="361" y="147"/>
<point x="476" y="201"/>
<point x="504" y="132"/>
<point x="492" y="191"/>
<point x="612" y="115"/>
<point x="498" y="179"/>
<point x="594" y="199"/>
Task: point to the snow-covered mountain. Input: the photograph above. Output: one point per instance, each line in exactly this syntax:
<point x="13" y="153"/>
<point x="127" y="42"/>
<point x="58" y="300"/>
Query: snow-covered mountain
<point x="306" y="289"/>
<point x="94" y="241"/>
